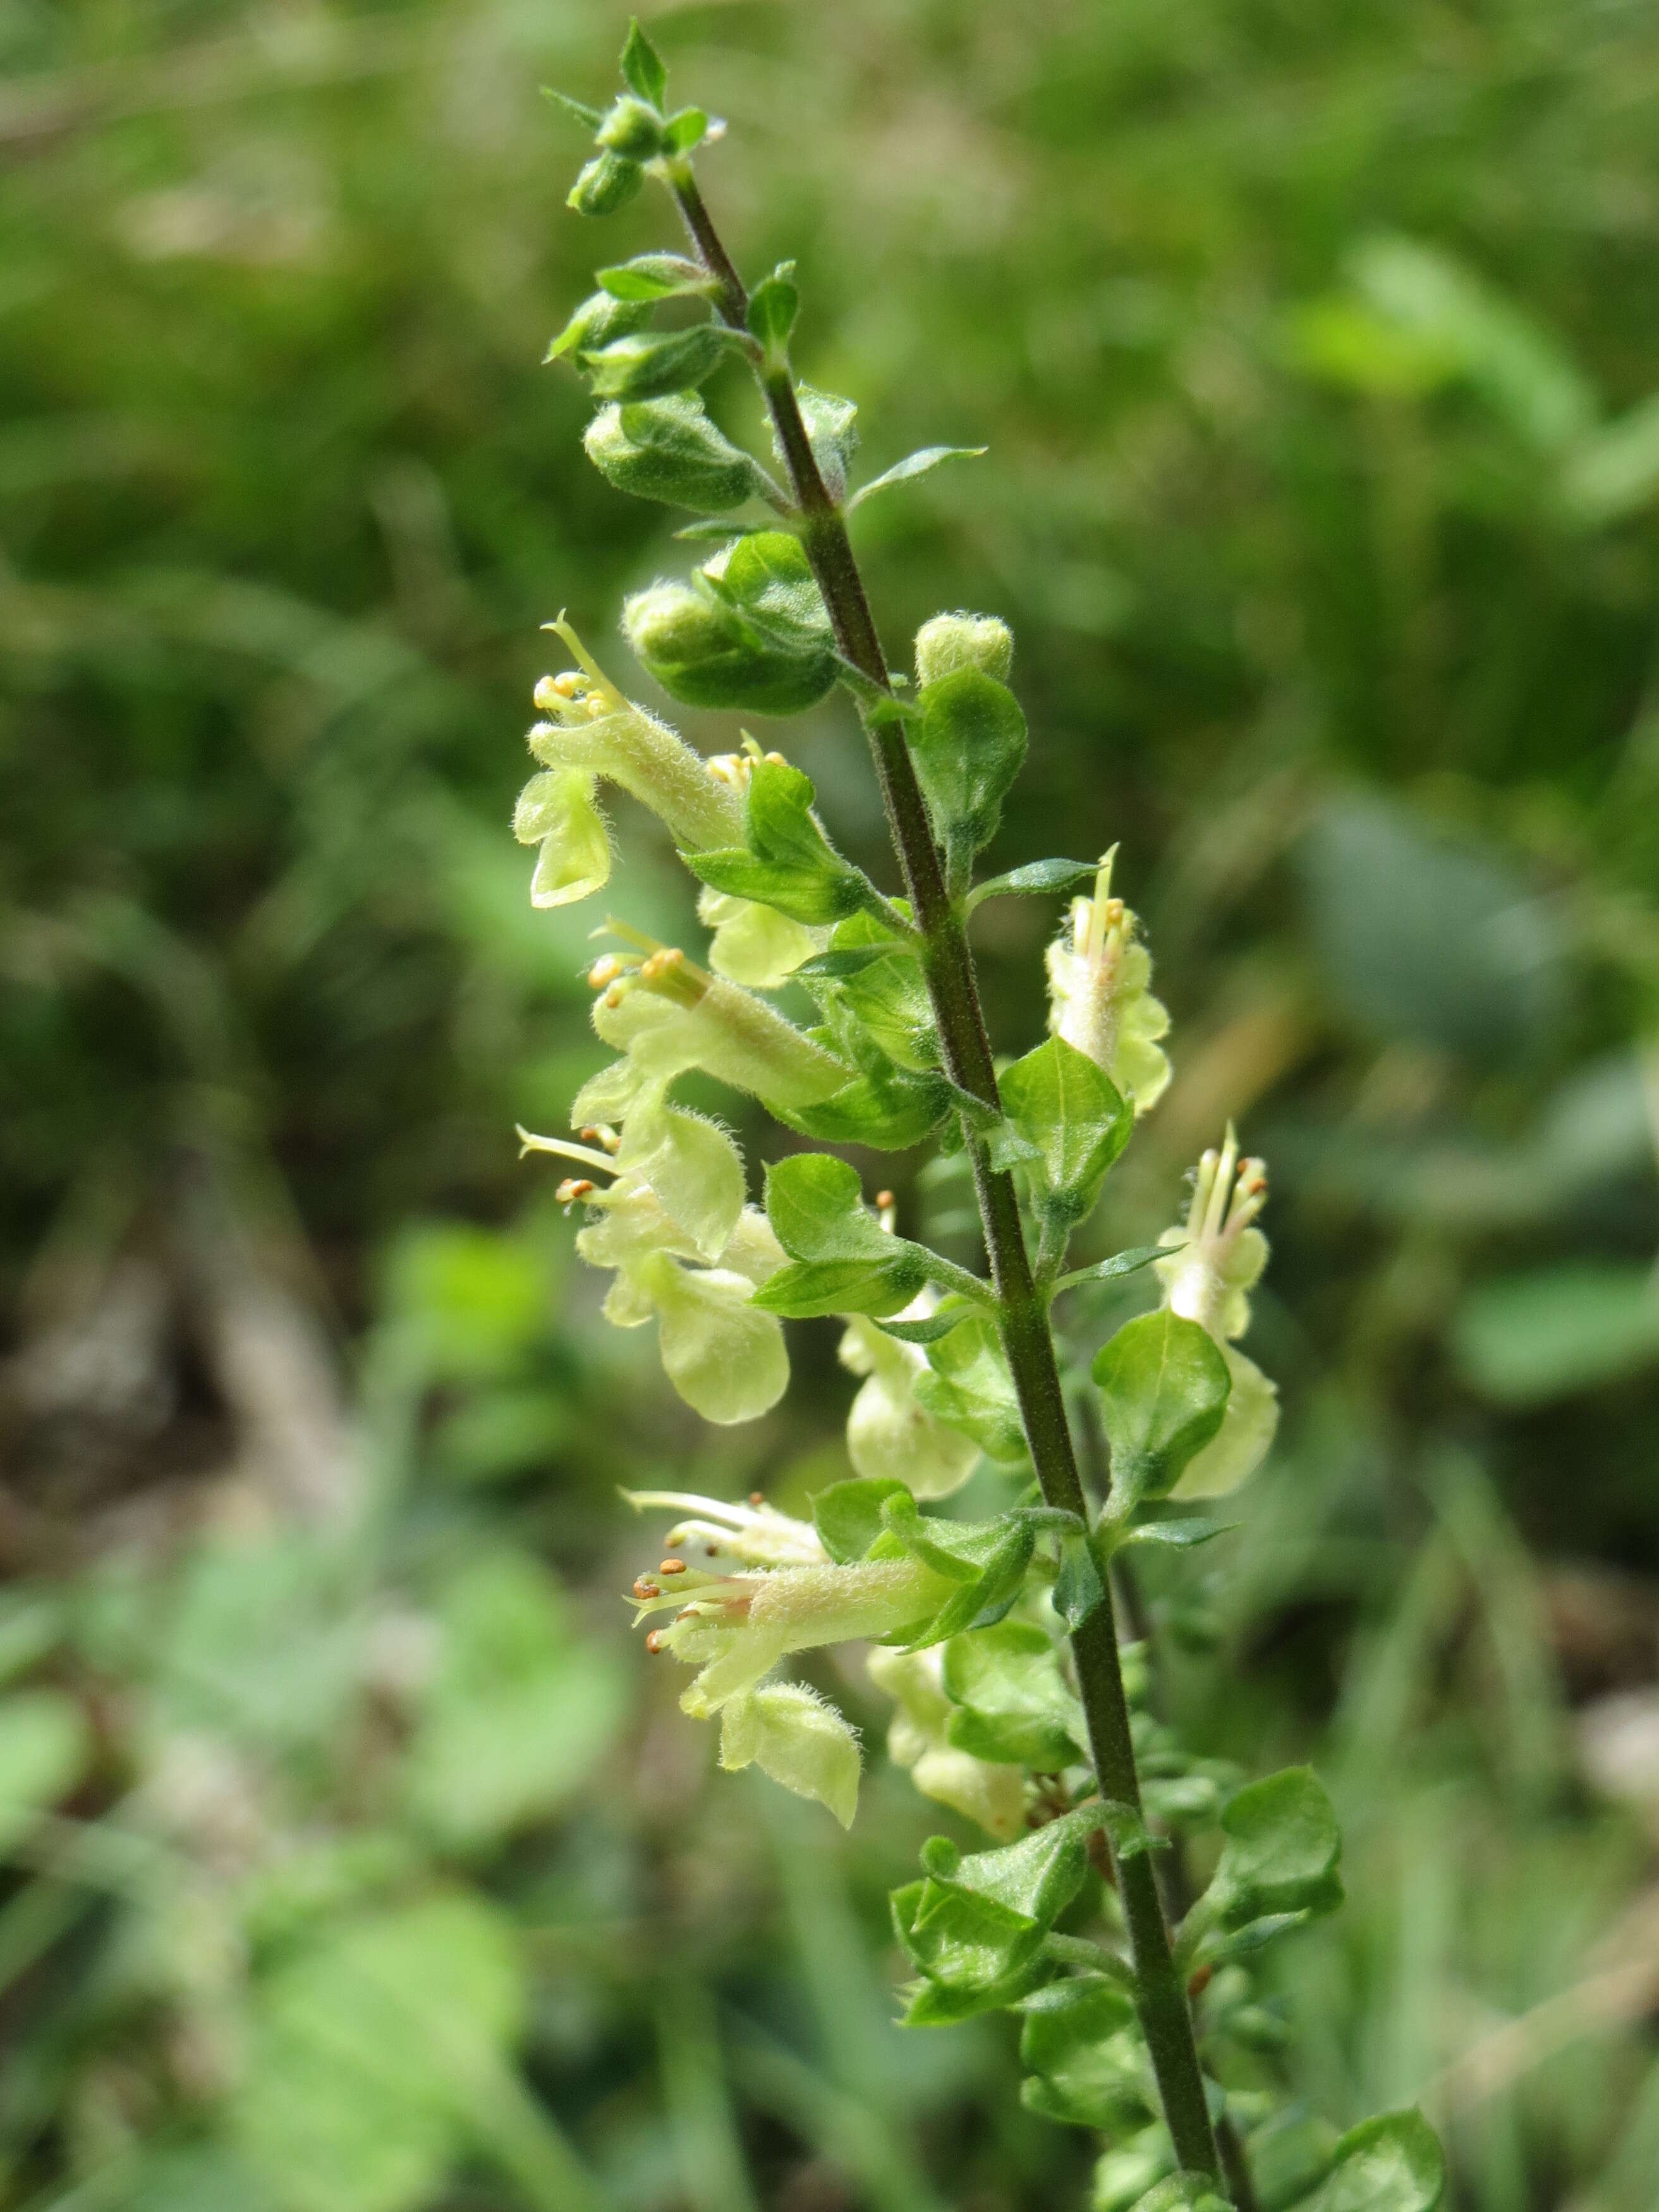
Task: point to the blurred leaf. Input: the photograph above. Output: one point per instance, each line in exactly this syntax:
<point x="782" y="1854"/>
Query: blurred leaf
<point x="45" y="1747"/>
<point x="368" y="2053"/>
<point x="1429" y="937"/>
<point x="1527" y="1339"/>
<point x="520" y="1713"/>
<point x="472" y="1301"/>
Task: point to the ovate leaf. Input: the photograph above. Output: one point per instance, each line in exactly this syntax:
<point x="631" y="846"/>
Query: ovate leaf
<point x="1066" y="1109"/>
<point x="1163" y="1385"/>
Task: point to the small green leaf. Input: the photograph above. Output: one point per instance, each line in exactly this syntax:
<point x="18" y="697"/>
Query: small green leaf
<point x="832" y="433"/>
<point x="968" y="742"/>
<point x="1002" y="1578"/>
<point x="1058" y="1102"/>
<point x="847" y="1517"/>
<point x="773" y="305"/>
<point x="1129" y="1262"/>
<point x="977" y="1955"/>
<point x="669" y="450"/>
<point x="654" y="276"/>
<point x="686" y="129"/>
<point x="969" y="1385"/>
<point x="608" y="182"/>
<point x="1013" y="1706"/>
<point x="889" y="1109"/>
<point x="1036" y="879"/>
<point x="642" y="66"/>
<point x="816" y="1205"/>
<point x="1161" y="1520"/>
<point x="1390" y="2164"/>
<point x="849" y="1263"/>
<point x="589" y="118"/>
<point x="1290" y="2153"/>
<point x="1086" y="2056"/>
<point x="1165" y="1384"/>
<point x="598" y="321"/>
<point x="875" y="993"/>
<point x="725" y="533"/>
<point x="919" y="463"/>
<point x="927" y="1330"/>
<point x="650" y="364"/>
<point x="809" y="1288"/>
<point x="1037" y="1877"/>
<point x="789" y="863"/>
<point x="1279" y="1864"/>
<point x="1078" y="1588"/>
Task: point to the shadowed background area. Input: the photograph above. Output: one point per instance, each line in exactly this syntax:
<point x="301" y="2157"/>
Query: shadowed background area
<point x="353" y="1859"/>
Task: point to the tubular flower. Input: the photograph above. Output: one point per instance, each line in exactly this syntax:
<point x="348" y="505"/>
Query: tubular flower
<point x="735" y="1628"/>
<point x="1100" y="996"/>
<point x="725" y="1357"/>
<point x="1218" y="1253"/>
<point x="994" y="1796"/>
<point x="667" y="1016"/>
<point x="785" y="1728"/>
<point x="593" y="731"/>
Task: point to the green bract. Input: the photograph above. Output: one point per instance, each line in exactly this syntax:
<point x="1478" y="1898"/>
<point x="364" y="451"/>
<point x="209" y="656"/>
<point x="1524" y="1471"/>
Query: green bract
<point x="1071" y="1123"/>
<point x="650" y="364"/>
<point x="596" y="323"/>
<point x="608" y="182"/>
<point x="1163" y="1388"/>
<point x="845" y="1262"/>
<point x="969" y="745"/>
<point x="668" y="449"/>
<point x="754" y="638"/>
<point x="788" y="862"/>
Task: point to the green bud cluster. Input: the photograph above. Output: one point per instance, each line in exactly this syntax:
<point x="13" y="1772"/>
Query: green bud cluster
<point x="995" y="1636"/>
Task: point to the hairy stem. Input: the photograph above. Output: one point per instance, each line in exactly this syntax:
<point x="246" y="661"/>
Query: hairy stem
<point x="1027" y="1338"/>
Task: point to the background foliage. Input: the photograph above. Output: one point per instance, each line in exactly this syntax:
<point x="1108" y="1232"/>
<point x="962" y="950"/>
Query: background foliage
<point x="353" y="1862"/>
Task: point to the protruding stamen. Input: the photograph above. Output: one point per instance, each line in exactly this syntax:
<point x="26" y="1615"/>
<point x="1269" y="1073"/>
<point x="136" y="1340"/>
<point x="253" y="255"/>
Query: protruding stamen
<point x="671" y="1567"/>
<point x="604" y="970"/>
<point x="574" y="1188"/>
<point x="562" y="1149"/>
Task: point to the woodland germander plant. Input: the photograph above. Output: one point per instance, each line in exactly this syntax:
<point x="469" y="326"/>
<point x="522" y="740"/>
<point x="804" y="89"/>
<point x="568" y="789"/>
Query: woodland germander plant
<point x="996" y="1639"/>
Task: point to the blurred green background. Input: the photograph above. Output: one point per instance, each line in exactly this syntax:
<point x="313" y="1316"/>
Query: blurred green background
<point x="355" y="1860"/>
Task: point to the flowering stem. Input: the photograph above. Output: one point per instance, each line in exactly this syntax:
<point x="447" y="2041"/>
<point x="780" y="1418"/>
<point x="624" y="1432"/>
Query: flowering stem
<point x="1023" y="1316"/>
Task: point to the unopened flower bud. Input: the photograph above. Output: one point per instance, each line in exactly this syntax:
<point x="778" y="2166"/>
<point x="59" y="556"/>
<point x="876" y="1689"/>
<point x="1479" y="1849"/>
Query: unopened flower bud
<point x="701" y="647"/>
<point x="949" y="642"/>
<point x="668" y="449"/>
<point x="631" y="129"/>
<point x="608" y="182"/>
